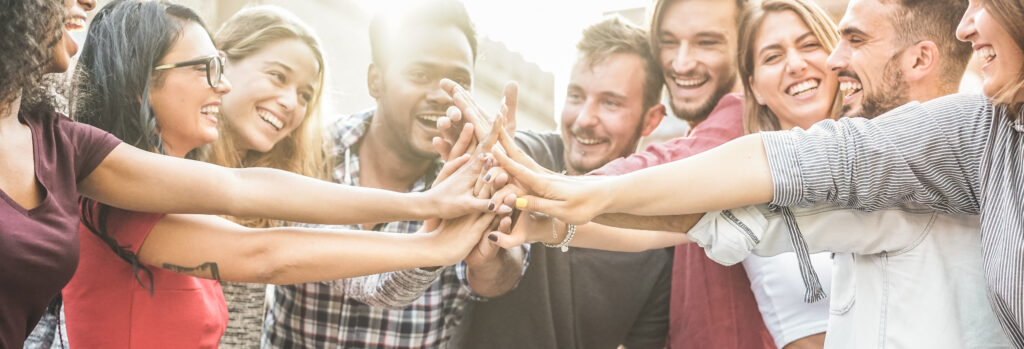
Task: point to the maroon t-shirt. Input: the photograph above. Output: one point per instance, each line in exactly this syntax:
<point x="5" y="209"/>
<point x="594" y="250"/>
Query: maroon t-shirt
<point x="39" y="247"/>
<point x="711" y="305"/>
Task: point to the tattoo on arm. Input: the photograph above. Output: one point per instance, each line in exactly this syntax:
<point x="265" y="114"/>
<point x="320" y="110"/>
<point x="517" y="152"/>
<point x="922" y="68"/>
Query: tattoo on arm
<point x="199" y="271"/>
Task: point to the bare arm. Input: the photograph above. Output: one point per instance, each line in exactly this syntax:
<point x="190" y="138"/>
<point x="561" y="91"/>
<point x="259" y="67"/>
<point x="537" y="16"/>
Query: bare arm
<point x="215" y="248"/>
<point x="133" y="179"/>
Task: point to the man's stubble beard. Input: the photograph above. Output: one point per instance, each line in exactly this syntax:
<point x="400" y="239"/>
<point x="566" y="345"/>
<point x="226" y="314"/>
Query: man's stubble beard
<point x="698" y="115"/>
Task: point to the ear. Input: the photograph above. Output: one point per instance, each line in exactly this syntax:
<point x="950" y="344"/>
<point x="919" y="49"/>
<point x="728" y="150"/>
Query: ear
<point x="374" y="81"/>
<point x="757" y="95"/>
<point x="652" y="117"/>
<point x="921" y="61"/>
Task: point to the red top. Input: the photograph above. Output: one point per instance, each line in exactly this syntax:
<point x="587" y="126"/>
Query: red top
<point x="712" y="305"/>
<point x="106" y="307"/>
<point x="39" y="246"/>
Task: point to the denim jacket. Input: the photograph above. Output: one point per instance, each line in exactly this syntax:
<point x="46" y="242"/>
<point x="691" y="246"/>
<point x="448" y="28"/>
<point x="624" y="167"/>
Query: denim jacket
<point x="903" y="277"/>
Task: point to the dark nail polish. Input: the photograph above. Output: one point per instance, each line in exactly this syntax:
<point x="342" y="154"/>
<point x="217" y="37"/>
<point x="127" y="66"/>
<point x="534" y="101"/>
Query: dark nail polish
<point x="492" y="237"/>
<point x="490" y="206"/>
<point x="487" y="178"/>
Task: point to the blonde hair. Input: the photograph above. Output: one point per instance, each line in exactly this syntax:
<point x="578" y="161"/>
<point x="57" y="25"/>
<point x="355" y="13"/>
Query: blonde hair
<point x="758" y="117"/>
<point x="303" y="150"/>
<point x="1007" y="14"/>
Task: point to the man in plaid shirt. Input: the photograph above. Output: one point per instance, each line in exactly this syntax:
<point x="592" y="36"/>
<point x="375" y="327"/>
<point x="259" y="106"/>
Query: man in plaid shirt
<point x="390" y="148"/>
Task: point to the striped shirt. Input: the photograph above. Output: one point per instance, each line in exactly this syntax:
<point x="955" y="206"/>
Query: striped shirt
<point x="956" y="154"/>
<point x="405" y="309"/>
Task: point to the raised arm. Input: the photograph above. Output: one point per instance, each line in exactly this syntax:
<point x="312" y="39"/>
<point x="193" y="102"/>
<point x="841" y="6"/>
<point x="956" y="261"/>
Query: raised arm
<point x="133" y="179"/>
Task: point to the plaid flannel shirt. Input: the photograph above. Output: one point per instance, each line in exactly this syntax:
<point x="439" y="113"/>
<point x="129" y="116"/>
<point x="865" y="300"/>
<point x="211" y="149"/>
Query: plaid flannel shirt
<point x="405" y="309"/>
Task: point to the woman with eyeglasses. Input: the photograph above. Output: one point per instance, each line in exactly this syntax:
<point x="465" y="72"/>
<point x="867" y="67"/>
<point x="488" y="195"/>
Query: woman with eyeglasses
<point x="49" y="160"/>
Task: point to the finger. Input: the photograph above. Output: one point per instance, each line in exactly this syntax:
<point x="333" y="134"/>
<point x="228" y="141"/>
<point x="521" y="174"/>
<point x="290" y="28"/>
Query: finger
<point x="486" y="249"/>
<point x="464" y="140"/>
<point x="506" y="196"/>
<point x="442" y="147"/>
<point x="454" y="114"/>
<point x="506" y="241"/>
<point x="509" y="145"/>
<point x="471" y="112"/>
<point x="450" y="167"/>
<point x="505" y="225"/>
<point x="510" y="105"/>
<point x="530" y="203"/>
<point x="528" y="179"/>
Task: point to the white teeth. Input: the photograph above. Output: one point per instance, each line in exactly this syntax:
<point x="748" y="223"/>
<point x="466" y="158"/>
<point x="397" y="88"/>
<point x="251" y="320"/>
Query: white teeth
<point x="430" y="118"/>
<point x="802" y="87"/>
<point x="586" y="141"/>
<point x="849" y="87"/>
<point x="689" y="82"/>
<point x="986" y="53"/>
<point x="210" y="110"/>
<point x="76" y="23"/>
<point x="270" y="119"/>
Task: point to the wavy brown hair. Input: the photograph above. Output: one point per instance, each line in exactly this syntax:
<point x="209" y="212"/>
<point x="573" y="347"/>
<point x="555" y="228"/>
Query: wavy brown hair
<point x="29" y="30"/>
<point x="302" y="151"/>
<point x="756" y="116"/>
<point x="1009" y="13"/>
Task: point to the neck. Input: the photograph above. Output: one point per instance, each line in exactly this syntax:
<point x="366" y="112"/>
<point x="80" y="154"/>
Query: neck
<point x="383" y="168"/>
<point x="929" y="90"/>
<point x="9" y="112"/>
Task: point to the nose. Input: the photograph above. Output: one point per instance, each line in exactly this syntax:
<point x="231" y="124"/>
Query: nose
<point x="684" y="60"/>
<point x="438" y="96"/>
<point x="87" y="5"/>
<point x="795" y="62"/>
<point x="588" y="115"/>
<point x="289" y="100"/>
<point x="839" y="59"/>
<point x="966" y="29"/>
<point x="224" y="86"/>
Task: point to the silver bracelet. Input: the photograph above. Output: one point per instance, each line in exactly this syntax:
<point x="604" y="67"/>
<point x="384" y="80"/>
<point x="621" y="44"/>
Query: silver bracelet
<point x="564" y="245"/>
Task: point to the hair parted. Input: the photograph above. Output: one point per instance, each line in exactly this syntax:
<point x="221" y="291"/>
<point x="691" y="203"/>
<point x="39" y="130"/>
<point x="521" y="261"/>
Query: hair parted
<point x="246" y="33"/>
<point x="615" y="35"/>
<point x="127" y="38"/>
<point x="758" y="117"/>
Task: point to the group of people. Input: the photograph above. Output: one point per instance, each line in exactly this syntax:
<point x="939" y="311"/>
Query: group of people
<point x="887" y="217"/>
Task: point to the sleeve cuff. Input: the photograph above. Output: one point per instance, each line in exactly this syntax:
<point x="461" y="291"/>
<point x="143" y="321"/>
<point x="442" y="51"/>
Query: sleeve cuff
<point x="784" y="163"/>
<point x="729" y="236"/>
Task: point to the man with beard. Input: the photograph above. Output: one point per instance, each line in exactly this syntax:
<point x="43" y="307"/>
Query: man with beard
<point x="584" y="298"/>
<point x="890" y="53"/>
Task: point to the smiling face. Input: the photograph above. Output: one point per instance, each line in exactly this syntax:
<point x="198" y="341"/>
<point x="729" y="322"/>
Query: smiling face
<point x="272" y="89"/>
<point x="696" y="42"/>
<point x="74" y="20"/>
<point x="868" y="60"/>
<point x="790" y="76"/>
<point x="408" y="91"/>
<point x="1002" y="58"/>
<point x="185" y="105"/>
<point x="603" y="114"/>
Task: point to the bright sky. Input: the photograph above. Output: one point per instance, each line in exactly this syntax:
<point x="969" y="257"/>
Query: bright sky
<point x="543" y="31"/>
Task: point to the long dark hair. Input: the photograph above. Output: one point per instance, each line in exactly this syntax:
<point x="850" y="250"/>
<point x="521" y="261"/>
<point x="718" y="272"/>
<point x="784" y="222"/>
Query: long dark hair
<point x="127" y="38"/>
<point x="29" y="29"/>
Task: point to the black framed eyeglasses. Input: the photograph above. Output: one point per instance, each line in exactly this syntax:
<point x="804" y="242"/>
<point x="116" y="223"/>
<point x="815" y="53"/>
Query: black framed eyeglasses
<point x="214" y="68"/>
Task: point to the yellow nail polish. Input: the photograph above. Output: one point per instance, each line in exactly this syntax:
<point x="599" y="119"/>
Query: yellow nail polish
<point x="520" y="203"/>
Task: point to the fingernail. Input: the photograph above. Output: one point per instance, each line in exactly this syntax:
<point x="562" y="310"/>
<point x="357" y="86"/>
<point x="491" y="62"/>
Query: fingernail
<point x="487" y="178"/>
<point x="504" y="209"/>
<point x="520" y="203"/>
<point x="490" y="206"/>
<point x="492" y="237"/>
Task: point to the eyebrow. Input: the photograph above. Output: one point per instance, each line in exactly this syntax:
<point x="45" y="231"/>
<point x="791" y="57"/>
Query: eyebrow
<point x="607" y="94"/>
<point x="281" y="64"/>
<point x="779" y="47"/>
<point x="847" y="31"/>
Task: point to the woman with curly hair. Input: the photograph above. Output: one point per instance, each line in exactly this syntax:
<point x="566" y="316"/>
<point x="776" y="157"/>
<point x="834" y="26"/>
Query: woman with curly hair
<point x="49" y="160"/>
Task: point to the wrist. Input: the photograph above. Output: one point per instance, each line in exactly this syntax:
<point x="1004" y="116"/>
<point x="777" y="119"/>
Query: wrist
<point x="421" y="206"/>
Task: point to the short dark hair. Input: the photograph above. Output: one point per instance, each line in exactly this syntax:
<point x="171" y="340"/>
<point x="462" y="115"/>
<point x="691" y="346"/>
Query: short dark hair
<point x="658" y="16"/>
<point x="936" y="21"/>
<point x="616" y="35"/>
<point x="432" y="13"/>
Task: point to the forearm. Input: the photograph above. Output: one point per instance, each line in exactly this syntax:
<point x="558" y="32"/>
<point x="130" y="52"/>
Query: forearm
<point x="141" y="181"/>
<point x="392" y="290"/>
<point x="603" y="237"/>
<point x="732" y="175"/>
<point x="678" y="223"/>
<point x="498" y="274"/>
<point x="211" y="247"/>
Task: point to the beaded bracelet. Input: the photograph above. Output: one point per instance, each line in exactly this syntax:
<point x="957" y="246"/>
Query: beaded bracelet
<point x="564" y="245"/>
